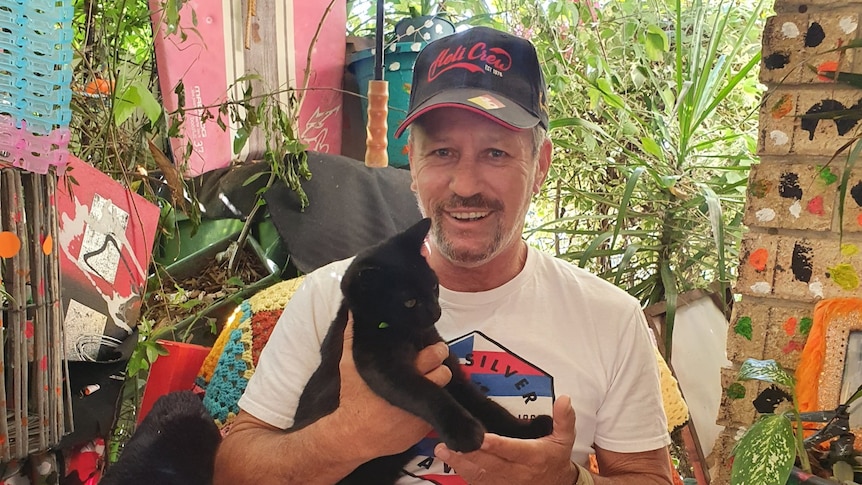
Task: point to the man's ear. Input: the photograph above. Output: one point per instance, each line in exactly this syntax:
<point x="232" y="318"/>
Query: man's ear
<point x="544" y="164"/>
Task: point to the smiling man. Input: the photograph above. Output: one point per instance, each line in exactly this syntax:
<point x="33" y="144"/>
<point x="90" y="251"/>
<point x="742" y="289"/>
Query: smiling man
<point x="538" y="335"/>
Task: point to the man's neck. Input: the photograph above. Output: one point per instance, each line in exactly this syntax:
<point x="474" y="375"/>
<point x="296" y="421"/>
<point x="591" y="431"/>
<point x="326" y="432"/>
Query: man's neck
<point x="493" y="274"/>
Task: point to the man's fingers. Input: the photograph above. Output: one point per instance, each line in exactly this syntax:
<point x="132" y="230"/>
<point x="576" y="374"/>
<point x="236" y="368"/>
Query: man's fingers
<point x="466" y="469"/>
<point x="347" y="347"/>
<point x="429" y="362"/>
<point x="564" y="420"/>
<point x="348" y="331"/>
<point x="440" y="376"/>
<point x="431" y="357"/>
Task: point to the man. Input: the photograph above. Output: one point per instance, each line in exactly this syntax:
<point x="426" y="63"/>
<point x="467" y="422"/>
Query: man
<point x="530" y="329"/>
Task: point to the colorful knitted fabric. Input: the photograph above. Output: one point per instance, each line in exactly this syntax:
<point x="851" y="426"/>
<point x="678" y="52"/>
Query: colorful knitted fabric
<point x="209" y="365"/>
<point x="675" y="408"/>
<point x="227" y="368"/>
<point x="266" y="307"/>
<point x="231" y="374"/>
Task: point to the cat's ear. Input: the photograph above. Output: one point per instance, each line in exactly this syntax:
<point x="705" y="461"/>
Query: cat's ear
<point x="415" y="235"/>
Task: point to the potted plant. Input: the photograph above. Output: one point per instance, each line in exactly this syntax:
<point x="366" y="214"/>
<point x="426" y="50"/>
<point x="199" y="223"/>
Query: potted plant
<point x="423" y="23"/>
<point x="775" y="451"/>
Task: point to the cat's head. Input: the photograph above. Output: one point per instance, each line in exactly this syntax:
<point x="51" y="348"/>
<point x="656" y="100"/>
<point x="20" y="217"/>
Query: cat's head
<point x="391" y="286"/>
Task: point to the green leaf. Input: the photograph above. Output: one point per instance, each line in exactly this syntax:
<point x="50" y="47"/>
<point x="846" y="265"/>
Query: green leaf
<point x="125" y="104"/>
<point x="850" y="78"/>
<point x="608" y="94"/>
<point x="765" y="370"/>
<point x="136" y="96"/>
<point x="716" y="220"/>
<point x="152" y="352"/>
<point x="650" y="146"/>
<point x="234" y="281"/>
<point x="668" y="281"/>
<point x="240" y="139"/>
<point x="765" y="454"/>
<point x="743" y="327"/>
<point x="656" y="43"/>
<point x="593" y="246"/>
<point x="624" y="262"/>
<point x="172" y="16"/>
<point x="625" y="203"/>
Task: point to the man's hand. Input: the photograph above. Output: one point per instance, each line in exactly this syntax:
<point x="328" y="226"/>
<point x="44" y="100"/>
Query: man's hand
<point x="381" y="428"/>
<point x="502" y="460"/>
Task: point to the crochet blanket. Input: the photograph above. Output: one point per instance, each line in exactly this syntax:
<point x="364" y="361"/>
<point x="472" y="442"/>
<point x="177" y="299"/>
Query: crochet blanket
<point x="232" y="360"/>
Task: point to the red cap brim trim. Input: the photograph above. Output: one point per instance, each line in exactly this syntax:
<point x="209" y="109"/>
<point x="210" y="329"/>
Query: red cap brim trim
<point x="412" y="118"/>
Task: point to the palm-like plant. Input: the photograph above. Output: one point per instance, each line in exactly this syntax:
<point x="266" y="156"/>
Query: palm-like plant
<point x="652" y="156"/>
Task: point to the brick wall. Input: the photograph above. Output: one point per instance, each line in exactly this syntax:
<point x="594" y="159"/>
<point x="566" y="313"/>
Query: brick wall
<point x="794" y="253"/>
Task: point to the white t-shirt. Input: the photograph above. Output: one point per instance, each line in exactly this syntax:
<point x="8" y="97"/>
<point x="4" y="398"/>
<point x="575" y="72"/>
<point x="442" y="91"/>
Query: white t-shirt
<point x="554" y="329"/>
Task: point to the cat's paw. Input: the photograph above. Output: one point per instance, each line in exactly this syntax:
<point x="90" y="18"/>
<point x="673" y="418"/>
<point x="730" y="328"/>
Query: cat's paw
<point x="540" y="426"/>
<point x="466" y="437"/>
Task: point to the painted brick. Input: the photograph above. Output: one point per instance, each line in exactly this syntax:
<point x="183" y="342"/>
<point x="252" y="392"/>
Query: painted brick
<point x="791" y="196"/>
<point x="720" y="458"/>
<point x="801" y="45"/>
<point x="783" y="48"/>
<point x="777" y="121"/>
<point x="839" y="28"/>
<point x="737" y="412"/>
<point x="786" y="334"/>
<point x="824" y="137"/>
<point x="808" y="269"/>
<point x="757" y="264"/>
<point x="747" y="317"/>
<point x="799" y="275"/>
<point x="851" y="218"/>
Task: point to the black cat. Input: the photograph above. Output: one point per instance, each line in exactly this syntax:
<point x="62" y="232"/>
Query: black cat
<point x="392" y="293"/>
<point x="175" y="444"/>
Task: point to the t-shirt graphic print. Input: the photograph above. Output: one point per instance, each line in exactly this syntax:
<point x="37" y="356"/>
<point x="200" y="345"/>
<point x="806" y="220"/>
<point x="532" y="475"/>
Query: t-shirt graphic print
<point x="517" y="385"/>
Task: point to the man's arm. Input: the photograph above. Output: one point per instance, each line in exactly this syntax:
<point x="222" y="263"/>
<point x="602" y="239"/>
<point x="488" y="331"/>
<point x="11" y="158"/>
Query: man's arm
<point x="647" y="467"/>
<point x="255" y="452"/>
<point x="547" y="460"/>
<point x="327" y="450"/>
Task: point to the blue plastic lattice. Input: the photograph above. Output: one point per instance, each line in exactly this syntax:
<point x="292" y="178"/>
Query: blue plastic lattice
<point x="35" y="82"/>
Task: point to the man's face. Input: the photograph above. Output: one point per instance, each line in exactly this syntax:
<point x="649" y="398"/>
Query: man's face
<point x="474" y="178"/>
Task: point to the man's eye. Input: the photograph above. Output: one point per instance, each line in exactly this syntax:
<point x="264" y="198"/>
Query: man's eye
<point x="442" y="152"/>
<point x="496" y="153"/>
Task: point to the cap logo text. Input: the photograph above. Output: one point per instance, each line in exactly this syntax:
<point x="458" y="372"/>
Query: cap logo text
<point x="462" y="58"/>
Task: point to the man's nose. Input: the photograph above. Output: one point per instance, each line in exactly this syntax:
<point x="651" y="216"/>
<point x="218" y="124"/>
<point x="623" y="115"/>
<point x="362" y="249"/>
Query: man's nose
<point x="466" y="179"/>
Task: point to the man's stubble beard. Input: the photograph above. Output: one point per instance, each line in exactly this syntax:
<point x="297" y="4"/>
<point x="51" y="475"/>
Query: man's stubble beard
<point x="446" y="246"/>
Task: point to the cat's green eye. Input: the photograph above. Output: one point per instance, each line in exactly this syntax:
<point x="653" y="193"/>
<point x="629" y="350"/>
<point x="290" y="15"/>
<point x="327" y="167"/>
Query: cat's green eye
<point x="410" y="303"/>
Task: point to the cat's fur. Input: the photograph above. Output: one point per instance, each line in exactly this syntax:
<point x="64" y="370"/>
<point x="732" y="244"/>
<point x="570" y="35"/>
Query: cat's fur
<point x="175" y="444"/>
<point x="392" y="293"/>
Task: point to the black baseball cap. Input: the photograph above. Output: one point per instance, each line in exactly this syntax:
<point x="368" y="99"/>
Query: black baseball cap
<point x="485" y="71"/>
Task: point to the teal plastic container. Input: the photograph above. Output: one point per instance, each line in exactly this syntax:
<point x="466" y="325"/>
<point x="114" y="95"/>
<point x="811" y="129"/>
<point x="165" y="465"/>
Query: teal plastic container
<point x="398" y="60"/>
